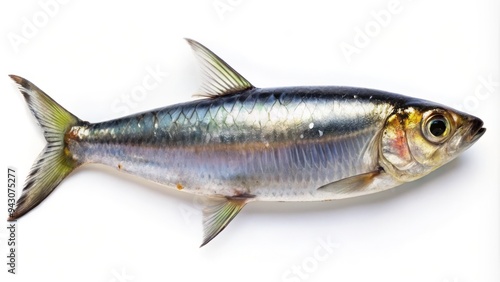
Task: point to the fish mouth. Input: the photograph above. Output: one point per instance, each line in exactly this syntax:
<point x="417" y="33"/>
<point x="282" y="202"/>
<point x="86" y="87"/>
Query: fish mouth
<point x="476" y="130"/>
<point x="466" y="136"/>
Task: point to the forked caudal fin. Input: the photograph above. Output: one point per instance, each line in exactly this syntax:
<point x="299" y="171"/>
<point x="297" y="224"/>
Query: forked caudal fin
<point x="55" y="162"/>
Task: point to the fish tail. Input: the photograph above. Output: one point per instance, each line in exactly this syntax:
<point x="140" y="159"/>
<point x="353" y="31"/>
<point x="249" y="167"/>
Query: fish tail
<point x="55" y="161"/>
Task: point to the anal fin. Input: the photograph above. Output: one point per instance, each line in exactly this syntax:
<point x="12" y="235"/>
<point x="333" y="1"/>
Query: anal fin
<point x="219" y="212"/>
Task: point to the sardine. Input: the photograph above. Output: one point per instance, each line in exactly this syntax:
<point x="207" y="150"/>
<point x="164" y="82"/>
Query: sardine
<point x="240" y="143"/>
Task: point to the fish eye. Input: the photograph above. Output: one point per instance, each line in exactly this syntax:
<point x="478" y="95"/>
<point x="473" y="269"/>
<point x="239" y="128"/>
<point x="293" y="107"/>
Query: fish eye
<point x="436" y="128"/>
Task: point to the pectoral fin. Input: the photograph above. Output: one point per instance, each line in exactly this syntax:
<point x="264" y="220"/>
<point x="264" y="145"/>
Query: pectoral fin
<point x="218" y="213"/>
<point x="362" y="184"/>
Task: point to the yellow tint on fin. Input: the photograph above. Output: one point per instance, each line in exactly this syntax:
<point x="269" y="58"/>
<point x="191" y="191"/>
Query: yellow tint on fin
<point x="219" y="78"/>
<point x="218" y="212"/>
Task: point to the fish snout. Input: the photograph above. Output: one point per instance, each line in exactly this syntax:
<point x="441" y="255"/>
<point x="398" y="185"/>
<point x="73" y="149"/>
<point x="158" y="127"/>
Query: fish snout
<point x="476" y="129"/>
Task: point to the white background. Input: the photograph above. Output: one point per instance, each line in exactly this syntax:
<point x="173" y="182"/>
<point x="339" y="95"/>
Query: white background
<point x="100" y="225"/>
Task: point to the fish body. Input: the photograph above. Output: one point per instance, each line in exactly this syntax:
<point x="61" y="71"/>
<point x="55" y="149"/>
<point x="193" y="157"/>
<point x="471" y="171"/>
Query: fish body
<point x="275" y="144"/>
<point x="241" y="143"/>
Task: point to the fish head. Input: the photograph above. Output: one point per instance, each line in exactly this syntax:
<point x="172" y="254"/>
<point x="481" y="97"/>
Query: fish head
<point x="420" y="137"/>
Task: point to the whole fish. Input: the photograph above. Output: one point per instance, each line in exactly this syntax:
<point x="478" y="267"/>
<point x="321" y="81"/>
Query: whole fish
<point x="240" y="143"/>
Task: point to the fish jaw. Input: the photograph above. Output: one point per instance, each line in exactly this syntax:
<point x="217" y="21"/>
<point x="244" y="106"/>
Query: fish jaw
<point x="466" y="136"/>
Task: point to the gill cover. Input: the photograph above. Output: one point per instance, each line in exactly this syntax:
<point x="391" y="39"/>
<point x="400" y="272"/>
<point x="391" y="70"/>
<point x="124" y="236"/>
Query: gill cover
<point x="394" y="147"/>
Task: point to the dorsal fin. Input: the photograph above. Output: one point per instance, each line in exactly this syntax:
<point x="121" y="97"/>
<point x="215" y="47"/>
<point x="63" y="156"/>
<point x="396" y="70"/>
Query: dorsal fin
<point x="219" y="78"/>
